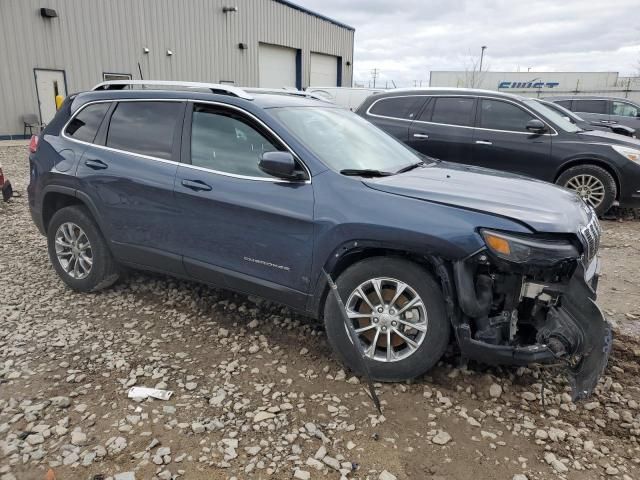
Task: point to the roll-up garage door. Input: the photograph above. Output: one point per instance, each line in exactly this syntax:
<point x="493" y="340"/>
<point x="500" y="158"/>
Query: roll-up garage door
<point x="277" y="66"/>
<point x="324" y="70"/>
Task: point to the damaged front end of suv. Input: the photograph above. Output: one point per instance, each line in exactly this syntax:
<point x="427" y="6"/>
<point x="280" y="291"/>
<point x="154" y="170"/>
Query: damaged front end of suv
<point x="526" y="299"/>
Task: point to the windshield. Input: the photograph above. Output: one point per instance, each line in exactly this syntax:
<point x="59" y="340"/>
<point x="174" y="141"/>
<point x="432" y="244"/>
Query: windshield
<point x="551" y="115"/>
<point x="344" y="141"/>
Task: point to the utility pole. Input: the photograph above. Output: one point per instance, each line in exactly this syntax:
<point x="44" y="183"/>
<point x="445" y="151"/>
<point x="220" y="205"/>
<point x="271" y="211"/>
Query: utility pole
<point x="374" y="75"/>
<point x="482" y="49"/>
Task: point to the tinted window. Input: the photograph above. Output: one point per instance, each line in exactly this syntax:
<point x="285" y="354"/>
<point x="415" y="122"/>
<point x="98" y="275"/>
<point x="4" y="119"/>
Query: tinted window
<point x="85" y="125"/>
<point x="225" y="142"/>
<point x="453" y="111"/>
<point x="625" y="109"/>
<point x="397" y="107"/>
<point x="590" y="106"/>
<point x="564" y="103"/>
<point x="144" y="127"/>
<point x="498" y="115"/>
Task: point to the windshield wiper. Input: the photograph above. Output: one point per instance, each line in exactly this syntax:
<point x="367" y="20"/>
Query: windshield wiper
<point x="364" y="172"/>
<point x="411" y="166"/>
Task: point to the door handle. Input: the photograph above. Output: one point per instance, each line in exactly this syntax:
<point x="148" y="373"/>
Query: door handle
<point x="196" y="185"/>
<point x="96" y="164"/>
<point x="420" y="135"/>
<point x="483" y="142"/>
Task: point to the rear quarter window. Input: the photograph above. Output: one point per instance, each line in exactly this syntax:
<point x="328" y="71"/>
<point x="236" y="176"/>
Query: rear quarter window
<point x="146" y="128"/>
<point x="84" y="126"/>
<point x="397" y="107"/>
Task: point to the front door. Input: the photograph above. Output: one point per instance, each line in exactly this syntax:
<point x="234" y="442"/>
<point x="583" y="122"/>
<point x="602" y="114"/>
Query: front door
<point x="502" y="142"/>
<point x="49" y="84"/>
<point x="242" y="228"/>
<point x="444" y="129"/>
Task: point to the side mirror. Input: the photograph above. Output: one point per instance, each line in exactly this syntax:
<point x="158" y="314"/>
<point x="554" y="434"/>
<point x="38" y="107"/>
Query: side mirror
<point x="279" y="165"/>
<point x="536" y="126"/>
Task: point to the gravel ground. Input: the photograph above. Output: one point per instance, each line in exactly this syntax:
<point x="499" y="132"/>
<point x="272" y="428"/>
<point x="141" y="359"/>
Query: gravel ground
<point x="258" y="395"/>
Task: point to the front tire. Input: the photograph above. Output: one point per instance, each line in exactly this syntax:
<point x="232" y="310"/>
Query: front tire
<point x="594" y="184"/>
<point x="399" y="314"/>
<point x="78" y="251"/>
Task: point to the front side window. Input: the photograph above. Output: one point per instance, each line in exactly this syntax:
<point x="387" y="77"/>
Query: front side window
<point x="85" y="124"/>
<point x="225" y="142"/>
<point x="498" y="115"/>
<point x="590" y="106"/>
<point x="453" y="111"/>
<point x="397" y="107"/>
<point x="625" y="109"/>
<point x="146" y="128"/>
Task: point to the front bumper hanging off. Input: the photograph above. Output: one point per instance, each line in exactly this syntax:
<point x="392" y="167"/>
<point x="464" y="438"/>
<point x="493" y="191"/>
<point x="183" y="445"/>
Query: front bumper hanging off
<point x="574" y="333"/>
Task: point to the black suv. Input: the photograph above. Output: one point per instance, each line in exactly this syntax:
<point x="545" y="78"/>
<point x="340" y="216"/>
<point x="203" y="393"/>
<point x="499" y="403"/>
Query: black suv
<point x="514" y="134"/>
<point x="263" y="192"/>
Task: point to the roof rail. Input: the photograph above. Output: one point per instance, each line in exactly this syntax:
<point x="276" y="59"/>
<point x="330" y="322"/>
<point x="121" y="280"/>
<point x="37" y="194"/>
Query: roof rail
<point x="286" y="91"/>
<point x="214" y="87"/>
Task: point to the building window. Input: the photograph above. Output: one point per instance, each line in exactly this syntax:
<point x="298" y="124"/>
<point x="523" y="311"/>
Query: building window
<point x="107" y="77"/>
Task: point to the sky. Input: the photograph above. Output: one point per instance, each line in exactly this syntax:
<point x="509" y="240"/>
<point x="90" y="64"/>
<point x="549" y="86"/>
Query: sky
<point x="405" y="39"/>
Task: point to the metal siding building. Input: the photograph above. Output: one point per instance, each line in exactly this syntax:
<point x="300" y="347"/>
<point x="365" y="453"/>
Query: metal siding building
<point x="88" y="38"/>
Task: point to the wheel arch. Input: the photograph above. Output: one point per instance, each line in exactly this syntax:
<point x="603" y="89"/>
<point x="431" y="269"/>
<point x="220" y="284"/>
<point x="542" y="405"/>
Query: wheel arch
<point x="575" y="162"/>
<point x="56" y="198"/>
<point x="339" y="262"/>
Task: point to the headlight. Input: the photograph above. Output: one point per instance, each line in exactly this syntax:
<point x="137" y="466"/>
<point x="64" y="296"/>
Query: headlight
<point x="528" y="249"/>
<point x="628" y="152"/>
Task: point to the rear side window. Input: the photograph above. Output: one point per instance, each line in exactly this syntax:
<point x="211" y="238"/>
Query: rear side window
<point x="226" y="142"/>
<point x="146" y="128"/>
<point x="497" y="115"/>
<point x="453" y="111"/>
<point x="590" y="106"/>
<point x="85" y="124"/>
<point x="397" y="107"/>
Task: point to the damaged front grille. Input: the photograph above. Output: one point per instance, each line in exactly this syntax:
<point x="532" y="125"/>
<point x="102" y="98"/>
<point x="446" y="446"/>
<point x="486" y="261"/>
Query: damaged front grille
<point x="591" y="237"/>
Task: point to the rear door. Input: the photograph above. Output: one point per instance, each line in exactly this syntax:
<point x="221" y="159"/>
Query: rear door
<point x="395" y="114"/>
<point x="239" y="226"/>
<point x="502" y="142"/>
<point x="593" y="111"/>
<point x="625" y="113"/>
<point x="128" y="173"/>
<point x="444" y="128"/>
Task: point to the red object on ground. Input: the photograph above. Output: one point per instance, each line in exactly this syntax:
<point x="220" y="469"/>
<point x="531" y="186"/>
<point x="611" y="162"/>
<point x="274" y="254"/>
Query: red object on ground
<point x="33" y="144"/>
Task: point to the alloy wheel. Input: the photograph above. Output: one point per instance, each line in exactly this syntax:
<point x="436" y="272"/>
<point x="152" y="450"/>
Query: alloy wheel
<point x="73" y="250"/>
<point x="389" y="318"/>
<point x="590" y="188"/>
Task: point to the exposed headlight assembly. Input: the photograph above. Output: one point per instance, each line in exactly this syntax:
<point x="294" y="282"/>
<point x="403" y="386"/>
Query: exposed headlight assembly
<point x="518" y="248"/>
<point x="632" y="154"/>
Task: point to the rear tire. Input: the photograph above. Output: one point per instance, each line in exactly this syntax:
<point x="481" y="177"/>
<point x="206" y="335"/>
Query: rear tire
<point x="407" y="361"/>
<point x="78" y="251"/>
<point x="594" y="184"/>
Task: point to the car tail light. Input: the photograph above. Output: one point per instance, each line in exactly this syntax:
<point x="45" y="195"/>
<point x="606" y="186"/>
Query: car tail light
<point x="33" y="144"/>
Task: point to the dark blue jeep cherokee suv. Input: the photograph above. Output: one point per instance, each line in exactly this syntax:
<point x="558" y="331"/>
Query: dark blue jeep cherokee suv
<point x="260" y="191"/>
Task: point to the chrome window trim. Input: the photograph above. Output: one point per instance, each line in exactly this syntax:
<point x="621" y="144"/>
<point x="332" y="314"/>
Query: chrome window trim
<point x="195" y="167"/>
<point x="555" y="132"/>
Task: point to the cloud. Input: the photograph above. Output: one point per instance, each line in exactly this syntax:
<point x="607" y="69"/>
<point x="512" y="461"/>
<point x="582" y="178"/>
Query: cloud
<point x="406" y="39"/>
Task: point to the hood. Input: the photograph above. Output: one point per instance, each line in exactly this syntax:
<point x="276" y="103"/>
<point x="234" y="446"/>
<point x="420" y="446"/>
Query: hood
<point x="598" y="136"/>
<point x="540" y="205"/>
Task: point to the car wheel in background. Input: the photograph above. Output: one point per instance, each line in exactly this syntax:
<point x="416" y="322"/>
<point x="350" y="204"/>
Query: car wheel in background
<point x="78" y="251"/>
<point x="398" y="313"/>
<point x="594" y="184"/>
